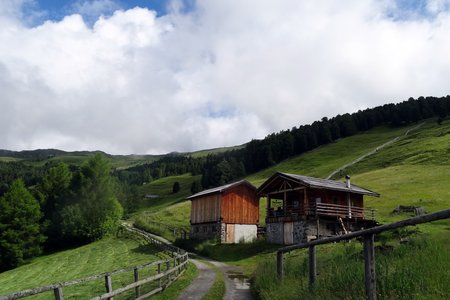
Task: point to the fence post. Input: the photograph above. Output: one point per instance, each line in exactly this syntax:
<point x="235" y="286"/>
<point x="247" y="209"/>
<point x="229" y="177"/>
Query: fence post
<point x="167" y="268"/>
<point x="108" y="284"/>
<point x="369" y="267"/>
<point x="312" y="266"/>
<point x="58" y="293"/>
<point x="280" y="271"/>
<point x="136" y="279"/>
<point x="159" y="271"/>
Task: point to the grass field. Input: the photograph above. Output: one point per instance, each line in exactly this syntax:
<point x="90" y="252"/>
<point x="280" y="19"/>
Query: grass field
<point x="324" y="160"/>
<point x="168" y="208"/>
<point x="105" y="255"/>
<point x="415" y="170"/>
<point x="412" y="171"/>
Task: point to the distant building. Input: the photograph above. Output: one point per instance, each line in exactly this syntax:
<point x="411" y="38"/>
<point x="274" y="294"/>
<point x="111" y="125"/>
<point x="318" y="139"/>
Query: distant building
<point x="229" y="212"/>
<point x="302" y="208"/>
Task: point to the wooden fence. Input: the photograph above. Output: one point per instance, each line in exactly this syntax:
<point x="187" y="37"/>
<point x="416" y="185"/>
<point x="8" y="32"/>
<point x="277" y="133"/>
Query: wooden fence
<point x="369" y="250"/>
<point x="167" y="271"/>
<point x="177" y="232"/>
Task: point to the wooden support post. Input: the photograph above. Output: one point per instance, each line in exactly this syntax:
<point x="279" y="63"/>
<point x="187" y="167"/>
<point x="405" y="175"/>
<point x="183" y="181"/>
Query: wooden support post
<point x="369" y="267"/>
<point x="312" y="266"/>
<point x="58" y="293"/>
<point x="175" y="264"/>
<point x="136" y="279"/>
<point x="167" y="268"/>
<point x="280" y="270"/>
<point x="108" y="284"/>
<point x="159" y="271"/>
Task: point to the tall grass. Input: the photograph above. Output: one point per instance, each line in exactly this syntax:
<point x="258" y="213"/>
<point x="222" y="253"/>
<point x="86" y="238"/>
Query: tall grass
<point x="419" y="269"/>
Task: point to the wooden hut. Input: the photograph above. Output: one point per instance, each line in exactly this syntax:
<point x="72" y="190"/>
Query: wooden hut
<point x="229" y="212"/>
<point x="301" y="208"/>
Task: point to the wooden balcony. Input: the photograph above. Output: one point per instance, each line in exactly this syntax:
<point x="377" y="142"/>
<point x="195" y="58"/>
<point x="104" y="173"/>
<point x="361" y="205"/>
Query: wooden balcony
<point x="320" y="210"/>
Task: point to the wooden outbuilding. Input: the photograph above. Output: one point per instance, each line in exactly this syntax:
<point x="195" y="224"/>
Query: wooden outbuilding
<point x="302" y="208"/>
<point x="229" y="212"/>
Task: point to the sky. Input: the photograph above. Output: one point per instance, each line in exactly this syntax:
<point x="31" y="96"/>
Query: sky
<point x="154" y="76"/>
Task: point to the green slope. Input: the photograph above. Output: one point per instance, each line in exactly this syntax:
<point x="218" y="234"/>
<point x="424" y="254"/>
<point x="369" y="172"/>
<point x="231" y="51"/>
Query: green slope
<point x="98" y="257"/>
<point x="414" y="170"/>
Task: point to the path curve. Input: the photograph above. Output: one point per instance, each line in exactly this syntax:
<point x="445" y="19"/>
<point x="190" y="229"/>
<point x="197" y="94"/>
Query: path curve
<point x="374" y="151"/>
<point x="201" y="285"/>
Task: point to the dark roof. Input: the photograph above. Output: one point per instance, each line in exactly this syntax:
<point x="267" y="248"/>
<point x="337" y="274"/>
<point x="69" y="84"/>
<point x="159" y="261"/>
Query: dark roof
<point x="318" y="183"/>
<point x="222" y="188"/>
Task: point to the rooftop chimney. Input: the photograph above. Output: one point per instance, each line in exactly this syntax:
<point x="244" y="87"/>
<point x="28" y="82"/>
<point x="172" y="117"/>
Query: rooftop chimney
<point x="347" y="181"/>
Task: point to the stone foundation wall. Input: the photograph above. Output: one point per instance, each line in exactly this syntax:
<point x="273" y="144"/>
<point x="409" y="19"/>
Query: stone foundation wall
<point x="274" y="233"/>
<point x="302" y="231"/>
<point x="205" y="231"/>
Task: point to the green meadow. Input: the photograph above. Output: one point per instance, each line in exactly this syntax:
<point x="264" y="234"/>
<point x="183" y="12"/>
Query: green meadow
<point x="414" y="170"/>
<point x="411" y="263"/>
<point x="102" y="256"/>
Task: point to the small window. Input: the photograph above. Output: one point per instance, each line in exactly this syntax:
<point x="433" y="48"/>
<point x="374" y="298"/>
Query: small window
<point x="318" y="200"/>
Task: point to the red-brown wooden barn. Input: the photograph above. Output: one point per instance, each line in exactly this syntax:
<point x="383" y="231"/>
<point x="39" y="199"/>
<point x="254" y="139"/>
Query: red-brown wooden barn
<point x="229" y="212"/>
<point x="301" y="208"/>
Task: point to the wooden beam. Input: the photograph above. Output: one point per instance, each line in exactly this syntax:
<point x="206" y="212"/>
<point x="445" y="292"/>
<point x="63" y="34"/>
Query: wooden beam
<point x="369" y="267"/>
<point x="58" y="293"/>
<point x="312" y="266"/>
<point x="108" y="285"/>
<point x="280" y="267"/>
<point x="136" y="279"/>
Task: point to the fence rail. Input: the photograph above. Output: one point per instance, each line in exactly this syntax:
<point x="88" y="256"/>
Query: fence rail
<point x="369" y="250"/>
<point x="177" y="232"/>
<point x="167" y="272"/>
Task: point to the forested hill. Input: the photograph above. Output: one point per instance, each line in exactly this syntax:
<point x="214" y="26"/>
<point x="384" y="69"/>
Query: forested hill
<point x="221" y="168"/>
<point x="40" y="154"/>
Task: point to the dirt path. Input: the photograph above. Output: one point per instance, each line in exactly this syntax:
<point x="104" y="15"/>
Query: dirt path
<point x="237" y="286"/>
<point x="374" y="151"/>
<point x="201" y="285"/>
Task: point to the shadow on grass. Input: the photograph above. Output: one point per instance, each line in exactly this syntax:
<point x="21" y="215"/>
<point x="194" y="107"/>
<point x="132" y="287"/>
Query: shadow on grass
<point x="146" y="249"/>
<point x="226" y="252"/>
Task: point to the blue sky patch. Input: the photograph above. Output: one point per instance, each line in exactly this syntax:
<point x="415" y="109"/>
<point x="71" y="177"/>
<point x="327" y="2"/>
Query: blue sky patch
<point x="408" y="10"/>
<point x="38" y="11"/>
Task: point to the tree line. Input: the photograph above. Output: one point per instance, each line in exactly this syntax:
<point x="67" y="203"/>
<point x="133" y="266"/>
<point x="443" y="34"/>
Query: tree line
<point x="67" y="206"/>
<point x="222" y="168"/>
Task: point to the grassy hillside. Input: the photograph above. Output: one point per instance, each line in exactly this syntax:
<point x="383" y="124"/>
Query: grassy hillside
<point x="415" y="170"/>
<point x="412" y="171"/>
<point x="167" y="208"/>
<point x="102" y="256"/>
<point x="324" y="160"/>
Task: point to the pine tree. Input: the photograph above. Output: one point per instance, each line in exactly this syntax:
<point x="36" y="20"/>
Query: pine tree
<point x="20" y="230"/>
<point x="94" y="210"/>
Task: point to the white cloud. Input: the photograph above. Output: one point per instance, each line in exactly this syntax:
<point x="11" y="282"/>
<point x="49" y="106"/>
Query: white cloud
<point x="221" y="74"/>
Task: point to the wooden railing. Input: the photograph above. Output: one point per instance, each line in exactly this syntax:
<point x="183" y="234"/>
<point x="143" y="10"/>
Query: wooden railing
<point x="322" y="209"/>
<point x="369" y="250"/>
<point x="342" y="211"/>
<point x="165" y="273"/>
<point x="177" y="232"/>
